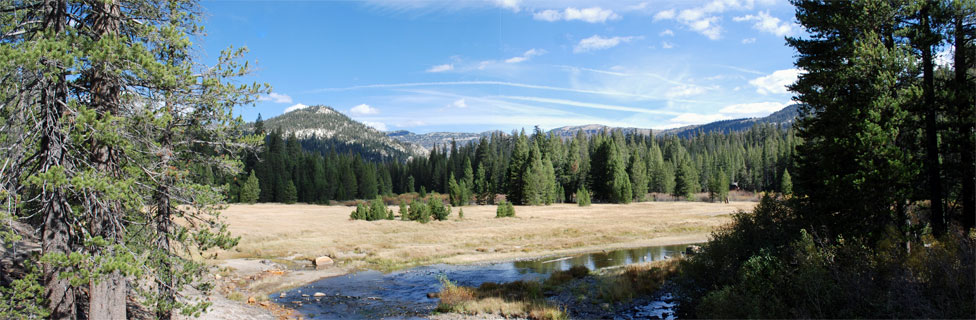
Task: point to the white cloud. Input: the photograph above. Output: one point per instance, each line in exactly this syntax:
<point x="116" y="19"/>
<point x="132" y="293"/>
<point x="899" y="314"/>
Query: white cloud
<point x="297" y="106"/>
<point x="459" y="103"/>
<point x="597" y="42"/>
<point x="776" y="82"/>
<point x="666" y="32"/>
<point x="665" y="15"/>
<point x="748" y="40"/>
<point x="376" y="125"/>
<point x="667" y="45"/>
<point x="441" y="68"/>
<point x="526" y="56"/>
<point x="769" y="24"/>
<point x="513" y="5"/>
<point x="363" y="109"/>
<point x="591" y="15"/>
<point x="756" y="109"/>
<point x="275" y="97"/>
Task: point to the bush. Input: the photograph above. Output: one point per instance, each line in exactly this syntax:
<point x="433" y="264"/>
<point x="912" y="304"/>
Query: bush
<point x="437" y="209"/>
<point x="404" y="213"/>
<point x="582" y="197"/>
<point x="419" y="212"/>
<point x="377" y="210"/>
<point x="361" y="212"/>
<point x="461" y="213"/>
<point x="505" y="209"/>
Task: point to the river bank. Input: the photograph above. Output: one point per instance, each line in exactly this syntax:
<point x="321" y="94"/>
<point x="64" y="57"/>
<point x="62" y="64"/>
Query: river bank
<point x="279" y="241"/>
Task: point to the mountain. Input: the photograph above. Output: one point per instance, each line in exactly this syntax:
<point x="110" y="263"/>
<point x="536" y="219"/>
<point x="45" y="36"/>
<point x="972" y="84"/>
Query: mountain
<point x="433" y="139"/>
<point x="592" y="129"/>
<point x="324" y="129"/>
<point x="783" y="117"/>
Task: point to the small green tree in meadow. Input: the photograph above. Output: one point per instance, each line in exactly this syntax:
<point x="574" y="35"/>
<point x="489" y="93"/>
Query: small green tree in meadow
<point x="377" y="210"/>
<point x="582" y="197"/>
<point x="505" y="209"/>
<point x="361" y="212"/>
<point x="461" y="213"/>
<point x="437" y="209"/>
<point x="404" y="212"/>
<point x="419" y="211"/>
<point x="251" y="189"/>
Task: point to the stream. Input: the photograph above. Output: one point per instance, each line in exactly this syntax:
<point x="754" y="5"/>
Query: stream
<point x="403" y="294"/>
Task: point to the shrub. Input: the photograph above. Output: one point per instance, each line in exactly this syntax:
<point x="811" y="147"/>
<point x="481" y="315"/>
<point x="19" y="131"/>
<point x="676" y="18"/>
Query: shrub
<point x="360" y="213"/>
<point x="377" y="210"/>
<point x="404" y="213"/>
<point x="419" y="212"/>
<point x="461" y="213"/>
<point x="582" y="197"/>
<point x="505" y="209"/>
<point x="437" y="209"/>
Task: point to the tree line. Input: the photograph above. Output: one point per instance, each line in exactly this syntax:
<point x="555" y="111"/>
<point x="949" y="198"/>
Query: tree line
<point x="529" y="169"/>
<point x="882" y="221"/>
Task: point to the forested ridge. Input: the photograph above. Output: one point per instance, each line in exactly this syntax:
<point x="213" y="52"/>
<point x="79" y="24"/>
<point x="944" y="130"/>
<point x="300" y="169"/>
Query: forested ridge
<point x="536" y="168"/>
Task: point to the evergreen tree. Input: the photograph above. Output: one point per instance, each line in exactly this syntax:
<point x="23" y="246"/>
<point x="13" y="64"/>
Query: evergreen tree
<point x="638" y="177"/>
<point x="455" y="192"/>
<point x="290" y="193"/>
<point x="582" y="197"/>
<point x="786" y="185"/>
<point x="685" y="181"/>
<point x="250" y="190"/>
<point x="516" y="170"/>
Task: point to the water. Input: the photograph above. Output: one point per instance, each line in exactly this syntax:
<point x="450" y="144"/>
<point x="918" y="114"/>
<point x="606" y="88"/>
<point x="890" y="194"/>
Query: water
<point x="403" y="294"/>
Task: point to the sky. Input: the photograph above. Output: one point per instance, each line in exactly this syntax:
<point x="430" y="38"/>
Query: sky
<point x="477" y="65"/>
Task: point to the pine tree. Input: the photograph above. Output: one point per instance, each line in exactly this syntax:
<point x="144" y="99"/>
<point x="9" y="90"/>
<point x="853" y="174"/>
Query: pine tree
<point x="455" y="192"/>
<point x="786" y="185"/>
<point x="290" y="193"/>
<point x="250" y="190"/>
<point x="582" y="197"/>
<point x="638" y="177"/>
<point x="516" y="170"/>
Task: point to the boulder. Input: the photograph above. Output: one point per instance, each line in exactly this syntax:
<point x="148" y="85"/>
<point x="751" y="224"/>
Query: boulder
<point x="318" y="294"/>
<point x="251" y="300"/>
<point x="323" y="261"/>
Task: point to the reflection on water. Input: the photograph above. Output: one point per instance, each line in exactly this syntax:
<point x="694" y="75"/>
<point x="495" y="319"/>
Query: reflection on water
<point x="603" y="259"/>
<point x="404" y="294"/>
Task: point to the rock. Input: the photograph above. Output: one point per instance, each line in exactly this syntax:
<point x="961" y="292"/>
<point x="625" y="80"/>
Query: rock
<point x="299" y="303"/>
<point x="323" y="261"/>
<point x="251" y="300"/>
<point x="318" y="294"/>
<point x="432" y="295"/>
<point x="304" y="295"/>
<point x="692" y="250"/>
<point x="282" y="295"/>
<point x="264" y="304"/>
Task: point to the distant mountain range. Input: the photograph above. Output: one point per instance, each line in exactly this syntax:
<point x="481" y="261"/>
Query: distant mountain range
<point x="323" y="128"/>
<point x="784" y="117"/>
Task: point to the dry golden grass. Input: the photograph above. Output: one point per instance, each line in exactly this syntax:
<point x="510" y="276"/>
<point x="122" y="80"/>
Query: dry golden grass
<point x="306" y="231"/>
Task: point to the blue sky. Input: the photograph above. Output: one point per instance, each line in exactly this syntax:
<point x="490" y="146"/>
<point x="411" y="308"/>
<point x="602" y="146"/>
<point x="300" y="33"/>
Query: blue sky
<point x="476" y="65"/>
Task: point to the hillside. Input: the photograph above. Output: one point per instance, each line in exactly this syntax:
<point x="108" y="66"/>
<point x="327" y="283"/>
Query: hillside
<point x="324" y="129"/>
<point x="783" y="117"/>
<point x="432" y="139"/>
<point x="592" y="129"/>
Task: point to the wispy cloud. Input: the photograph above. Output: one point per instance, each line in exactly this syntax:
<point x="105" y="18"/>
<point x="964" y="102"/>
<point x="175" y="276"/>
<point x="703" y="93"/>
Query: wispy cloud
<point x="514" y="5"/>
<point x="363" y="109"/>
<point x="589" y="105"/>
<point x="667" y="45"/>
<point x="665" y="15"/>
<point x="275" y="97"/>
<point x="768" y="24"/>
<point x="297" y="106"/>
<point x="666" y="33"/>
<point x="706" y="19"/>
<point x="695" y="118"/>
<point x="776" y="82"/>
<point x="375" y="125"/>
<point x="441" y="68"/>
<point x="591" y="15"/>
<point x="492" y="83"/>
<point x="526" y="56"/>
<point x="597" y="42"/>
<point x="748" y="40"/>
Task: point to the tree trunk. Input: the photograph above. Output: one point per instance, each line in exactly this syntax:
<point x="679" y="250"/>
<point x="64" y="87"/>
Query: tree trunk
<point x="966" y="106"/>
<point x="165" y="284"/>
<point x="931" y="134"/>
<point x="107" y="295"/>
<point x="54" y="206"/>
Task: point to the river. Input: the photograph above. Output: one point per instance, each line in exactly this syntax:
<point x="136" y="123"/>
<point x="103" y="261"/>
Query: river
<point x="403" y="294"/>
